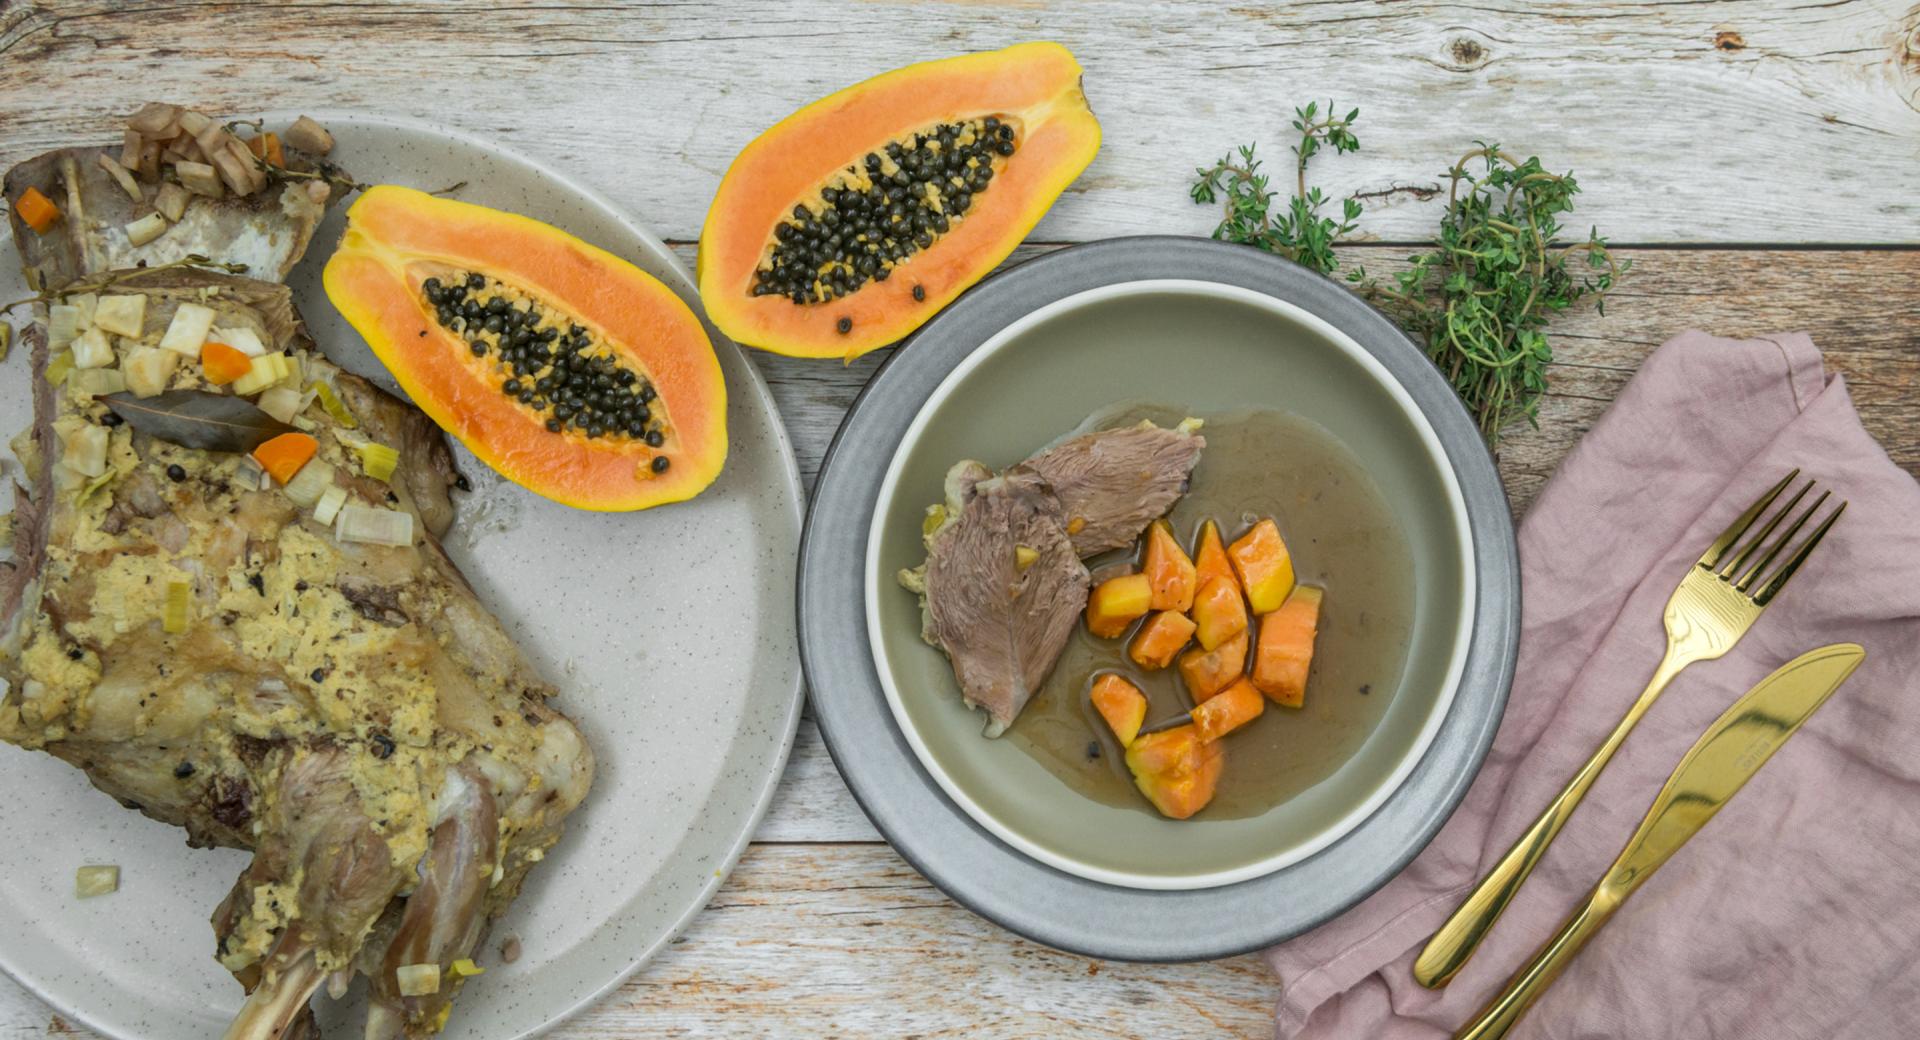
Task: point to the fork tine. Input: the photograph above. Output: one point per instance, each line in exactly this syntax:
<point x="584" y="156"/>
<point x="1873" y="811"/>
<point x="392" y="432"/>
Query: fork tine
<point x="1716" y="553"/>
<point x="1779" y="581"/>
<point x="1744" y="580"/>
<point x="1738" y="567"/>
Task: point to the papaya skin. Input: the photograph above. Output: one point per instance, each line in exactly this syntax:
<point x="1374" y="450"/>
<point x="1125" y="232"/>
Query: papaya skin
<point x="396" y="236"/>
<point x="1035" y="86"/>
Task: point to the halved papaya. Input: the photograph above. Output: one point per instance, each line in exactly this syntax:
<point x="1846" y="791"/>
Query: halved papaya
<point x="858" y="217"/>
<point x="570" y="371"/>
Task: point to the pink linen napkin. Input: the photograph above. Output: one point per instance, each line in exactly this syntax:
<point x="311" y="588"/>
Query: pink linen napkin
<point x="1795" y="912"/>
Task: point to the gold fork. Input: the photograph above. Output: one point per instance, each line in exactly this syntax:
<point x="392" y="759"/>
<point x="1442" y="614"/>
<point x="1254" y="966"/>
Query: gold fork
<point x="1722" y="595"/>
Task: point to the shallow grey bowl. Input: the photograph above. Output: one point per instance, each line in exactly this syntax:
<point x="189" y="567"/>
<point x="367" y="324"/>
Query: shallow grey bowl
<point x="1009" y="352"/>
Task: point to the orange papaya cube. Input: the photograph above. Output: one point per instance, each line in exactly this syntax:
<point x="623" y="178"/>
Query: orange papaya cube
<point x="1122" y="704"/>
<point x="1264" y="566"/>
<point x="1164" y="634"/>
<point x="1219" y="613"/>
<point x="1228" y="710"/>
<point x="1169" y="569"/>
<point x="1284" y="653"/>
<point x="1176" y="770"/>
<point x="1210" y="556"/>
<point x="1207" y="672"/>
<point x="1115" y="603"/>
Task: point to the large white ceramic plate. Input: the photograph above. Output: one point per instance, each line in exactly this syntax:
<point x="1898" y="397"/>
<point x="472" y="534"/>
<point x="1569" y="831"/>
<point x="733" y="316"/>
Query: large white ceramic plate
<point x="669" y="633"/>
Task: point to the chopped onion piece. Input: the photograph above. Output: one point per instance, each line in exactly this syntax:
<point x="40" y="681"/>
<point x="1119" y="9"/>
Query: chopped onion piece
<point x="329" y="505"/>
<point x="358" y="523"/>
<point x="122" y="175"/>
<point x="148" y="369"/>
<point x="179" y="608"/>
<point x="93" y="881"/>
<point x="187" y="332"/>
<point x="92" y="349"/>
<point x="240" y="338"/>
<point x="86" y="451"/>
<point x="282" y="403"/>
<point x="310" y="483"/>
<point x="172" y="201"/>
<point x="378" y="460"/>
<point x="88" y="304"/>
<point x="418" y="980"/>
<point x="121" y="315"/>
<point x="63" y="324"/>
<point x="96" y="382"/>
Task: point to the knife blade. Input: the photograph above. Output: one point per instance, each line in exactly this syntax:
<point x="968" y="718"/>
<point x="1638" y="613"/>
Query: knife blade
<point x="1721" y="762"/>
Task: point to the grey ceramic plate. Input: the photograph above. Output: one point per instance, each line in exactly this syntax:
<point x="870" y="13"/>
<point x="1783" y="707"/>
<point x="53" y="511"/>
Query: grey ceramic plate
<point x="1273" y="877"/>
<point x="650" y="609"/>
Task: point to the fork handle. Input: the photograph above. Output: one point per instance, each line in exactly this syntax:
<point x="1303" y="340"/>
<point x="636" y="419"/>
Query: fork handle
<point x="1449" y="949"/>
<point x="1503" y="1012"/>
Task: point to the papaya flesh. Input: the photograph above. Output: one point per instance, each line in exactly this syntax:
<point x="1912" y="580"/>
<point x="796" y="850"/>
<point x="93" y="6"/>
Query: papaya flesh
<point x="568" y="370"/>
<point x="857" y="218"/>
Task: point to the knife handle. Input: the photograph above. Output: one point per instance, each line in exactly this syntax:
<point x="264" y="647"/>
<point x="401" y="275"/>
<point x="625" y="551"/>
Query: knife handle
<point x="1504" y="1011"/>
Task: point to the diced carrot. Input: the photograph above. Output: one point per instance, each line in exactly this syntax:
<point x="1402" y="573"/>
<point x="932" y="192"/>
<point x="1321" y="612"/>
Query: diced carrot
<point x="1120" y="703"/>
<point x="223" y="364"/>
<point x="1228" y="710"/>
<point x="1264" y="566"/>
<point x="1207" y="672"/>
<point x="1116" y="602"/>
<point x="1284" y="653"/>
<point x="1160" y="638"/>
<point x="267" y="146"/>
<point x="1167" y="566"/>
<point x="1176" y="770"/>
<point x="1210" y="556"/>
<point x="284" y="455"/>
<point x="1219" y="613"/>
<point x="37" y="210"/>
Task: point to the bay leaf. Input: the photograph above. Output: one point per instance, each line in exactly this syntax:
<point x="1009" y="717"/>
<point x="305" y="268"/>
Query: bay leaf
<point x="198" y="419"/>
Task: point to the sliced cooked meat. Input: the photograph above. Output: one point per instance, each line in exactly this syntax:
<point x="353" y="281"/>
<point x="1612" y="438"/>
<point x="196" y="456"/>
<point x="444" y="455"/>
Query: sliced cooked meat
<point x="1003" y="624"/>
<point x="1113" y="483"/>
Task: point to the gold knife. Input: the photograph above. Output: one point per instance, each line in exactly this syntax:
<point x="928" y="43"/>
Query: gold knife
<point x="1724" y="758"/>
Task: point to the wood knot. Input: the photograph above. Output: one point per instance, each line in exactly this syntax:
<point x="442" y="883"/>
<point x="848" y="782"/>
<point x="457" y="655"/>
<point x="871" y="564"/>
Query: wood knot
<point x="1729" y="41"/>
<point x="1467" y="53"/>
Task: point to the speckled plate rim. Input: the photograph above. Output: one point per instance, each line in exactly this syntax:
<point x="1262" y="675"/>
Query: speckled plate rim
<point x="755" y="386"/>
<point x="1009" y="338"/>
<point x="965" y="860"/>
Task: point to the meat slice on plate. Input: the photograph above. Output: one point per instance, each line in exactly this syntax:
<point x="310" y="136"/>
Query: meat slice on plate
<point x="1003" y="589"/>
<point x="1113" y="483"/>
<point x="191" y="635"/>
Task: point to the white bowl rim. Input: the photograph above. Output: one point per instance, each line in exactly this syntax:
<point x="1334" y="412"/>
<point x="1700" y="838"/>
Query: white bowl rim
<point x="1437" y="714"/>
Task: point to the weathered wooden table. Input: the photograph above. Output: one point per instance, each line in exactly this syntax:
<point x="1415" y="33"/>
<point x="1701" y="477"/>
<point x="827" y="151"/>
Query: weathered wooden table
<point x="1760" y="163"/>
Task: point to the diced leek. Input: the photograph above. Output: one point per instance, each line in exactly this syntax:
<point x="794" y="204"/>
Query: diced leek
<point x="187" y="332"/>
<point x="86" y="450"/>
<point x="329" y="505"/>
<point x="90" y="881"/>
<point x="310" y="483"/>
<point x="373" y="526"/>
<point x="267" y="370"/>
<point x="94" y="487"/>
<point x="331" y="403"/>
<point x="97" y="382"/>
<point x="148" y="369"/>
<point x="88" y="304"/>
<point x="179" y="607"/>
<point x="282" y="403"/>
<point x="378" y="460"/>
<point x="464" y="968"/>
<point x="121" y="315"/>
<point x="240" y="338"/>
<point x="58" y="368"/>
<point x="418" y="980"/>
<point x="63" y="324"/>
<point x="146" y="229"/>
<point x="92" y="349"/>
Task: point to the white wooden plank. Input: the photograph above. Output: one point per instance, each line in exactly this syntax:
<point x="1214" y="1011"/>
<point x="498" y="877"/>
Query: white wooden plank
<point x="1733" y="122"/>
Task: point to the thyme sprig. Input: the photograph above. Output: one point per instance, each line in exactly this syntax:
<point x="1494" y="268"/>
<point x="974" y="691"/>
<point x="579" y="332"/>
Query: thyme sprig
<point x="107" y="281"/>
<point x="1480" y="300"/>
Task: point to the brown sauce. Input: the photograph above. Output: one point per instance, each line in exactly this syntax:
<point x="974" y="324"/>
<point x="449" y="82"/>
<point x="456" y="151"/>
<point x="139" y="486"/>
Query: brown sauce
<point x="1337" y="525"/>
